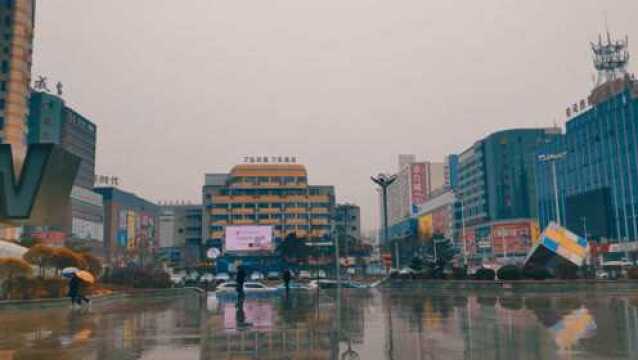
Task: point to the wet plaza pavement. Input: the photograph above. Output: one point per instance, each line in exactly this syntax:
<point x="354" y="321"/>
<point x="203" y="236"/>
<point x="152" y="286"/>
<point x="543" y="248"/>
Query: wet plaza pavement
<point x="351" y="324"/>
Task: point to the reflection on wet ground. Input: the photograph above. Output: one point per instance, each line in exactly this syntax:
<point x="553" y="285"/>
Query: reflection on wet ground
<point x="345" y="324"/>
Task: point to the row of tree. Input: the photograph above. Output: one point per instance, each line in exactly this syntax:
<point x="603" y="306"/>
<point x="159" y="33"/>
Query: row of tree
<point x="14" y="271"/>
<point x="59" y="258"/>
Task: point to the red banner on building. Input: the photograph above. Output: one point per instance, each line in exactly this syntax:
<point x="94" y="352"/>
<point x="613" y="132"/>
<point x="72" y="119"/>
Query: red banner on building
<point x="418" y="184"/>
<point x="50" y="238"/>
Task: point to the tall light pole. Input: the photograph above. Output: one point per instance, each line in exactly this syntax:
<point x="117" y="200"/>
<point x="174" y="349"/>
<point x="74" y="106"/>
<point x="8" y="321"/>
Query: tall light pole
<point x="384" y="181"/>
<point x="463" y="231"/>
<point x="552" y="158"/>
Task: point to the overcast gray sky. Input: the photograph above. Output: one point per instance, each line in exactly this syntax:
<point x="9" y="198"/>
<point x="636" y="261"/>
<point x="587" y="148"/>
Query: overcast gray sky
<point x="180" y="88"/>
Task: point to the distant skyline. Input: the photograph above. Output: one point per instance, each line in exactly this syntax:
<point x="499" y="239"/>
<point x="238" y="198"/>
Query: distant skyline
<point x="181" y="88"/>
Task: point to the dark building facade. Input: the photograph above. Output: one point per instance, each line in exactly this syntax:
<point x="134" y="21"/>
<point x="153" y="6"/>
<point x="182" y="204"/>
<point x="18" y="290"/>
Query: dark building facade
<point x="497" y="175"/>
<point x="180" y="234"/>
<point x="130" y="227"/>
<point x="51" y="121"/>
<point x="348" y="221"/>
<point x="597" y="177"/>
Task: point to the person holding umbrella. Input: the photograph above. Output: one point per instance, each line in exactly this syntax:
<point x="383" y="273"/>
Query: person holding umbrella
<point x="74" y="289"/>
<point x="76" y="284"/>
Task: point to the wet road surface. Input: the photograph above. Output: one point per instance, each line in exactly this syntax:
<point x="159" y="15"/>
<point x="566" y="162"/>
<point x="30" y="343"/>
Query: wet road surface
<point x="352" y="324"/>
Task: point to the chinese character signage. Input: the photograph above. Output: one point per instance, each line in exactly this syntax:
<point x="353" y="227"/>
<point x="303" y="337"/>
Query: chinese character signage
<point x="418" y="185"/>
<point x="270" y="159"/>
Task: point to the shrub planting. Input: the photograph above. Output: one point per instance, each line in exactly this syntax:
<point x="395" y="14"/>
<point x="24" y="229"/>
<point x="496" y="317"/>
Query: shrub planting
<point x="534" y="272"/>
<point x="509" y="272"/>
<point x="138" y="277"/>
<point x="11" y="270"/>
<point x="485" y="274"/>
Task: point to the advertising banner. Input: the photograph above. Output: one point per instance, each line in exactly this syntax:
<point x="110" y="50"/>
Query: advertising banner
<point x="50" y="238"/>
<point x="418" y="185"/>
<point x="131" y="229"/>
<point x="511" y="239"/>
<point x="248" y="238"/>
<point x="122" y="228"/>
<point x="425" y="227"/>
<point x="441" y="221"/>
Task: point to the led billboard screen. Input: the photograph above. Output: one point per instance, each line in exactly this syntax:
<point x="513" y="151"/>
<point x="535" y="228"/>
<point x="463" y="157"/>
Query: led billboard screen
<point x="248" y="238"/>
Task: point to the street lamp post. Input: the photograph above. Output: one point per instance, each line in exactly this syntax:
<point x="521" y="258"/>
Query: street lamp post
<point x="552" y="158"/>
<point x="463" y="232"/>
<point x="384" y="181"/>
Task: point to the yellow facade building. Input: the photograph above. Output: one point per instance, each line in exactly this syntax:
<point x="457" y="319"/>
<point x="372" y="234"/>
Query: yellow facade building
<point x="275" y="194"/>
<point x="15" y="75"/>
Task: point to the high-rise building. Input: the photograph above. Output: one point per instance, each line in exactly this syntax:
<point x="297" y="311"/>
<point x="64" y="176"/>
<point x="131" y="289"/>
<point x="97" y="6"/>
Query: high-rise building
<point x="597" y="175"/>
<point x="451" y="171"/>
<point x="275" y="194"/>
<point x="51" y="121"/>
<point x="497" y="175"/>
<point x="497" y="195"/>
<point x="130" y="227"/>
<point x="348" y="221"/>
<point x="16" y="49"/>
<point x="412" y="187"/>
<point x="405" y="160"/>
<point x="180" y="233"/>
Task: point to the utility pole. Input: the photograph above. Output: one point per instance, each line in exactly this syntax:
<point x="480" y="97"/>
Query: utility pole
<point x="384" y="181"/>
<point x="553" y="158"/>
<point x="463" y="232"/>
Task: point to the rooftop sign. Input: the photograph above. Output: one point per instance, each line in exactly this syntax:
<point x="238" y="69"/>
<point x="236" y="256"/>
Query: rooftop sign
<point x="269" y="159"/>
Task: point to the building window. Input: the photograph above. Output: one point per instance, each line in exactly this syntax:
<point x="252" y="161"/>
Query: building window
<point x="5" y="66"/>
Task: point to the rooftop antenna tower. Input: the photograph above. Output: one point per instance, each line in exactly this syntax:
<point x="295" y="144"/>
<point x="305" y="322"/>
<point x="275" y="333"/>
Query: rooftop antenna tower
<point x="610" y="57"/>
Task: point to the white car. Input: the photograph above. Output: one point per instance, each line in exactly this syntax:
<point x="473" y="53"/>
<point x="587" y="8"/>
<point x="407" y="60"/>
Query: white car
<point x="249" y="287"/>
<point x="176" y="279"/>
<point x="256" y="276"/>
<point x="407" y="271"/>
<point x="222" y="277"/>
<point x="602" y="275"/>
<point x="207" y="278"/>
<point x="305" y="275"/>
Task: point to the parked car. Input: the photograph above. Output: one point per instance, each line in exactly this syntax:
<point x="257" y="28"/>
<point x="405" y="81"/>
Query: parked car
<point x="177" y="279"/>
<point x="273" y="275"/>
<point x="407" y="271"/>
<point x="322" y="274"/>
<point x="206" y="278"/>
<point x="255" y="276"/>
<point x="305" y="275"/>
<point x="222" y="277"/>
<point x="332" y="284"/>
<point x="295" y="286"/>
<point x="249" y="288"/>
<point x="603" y="275"/>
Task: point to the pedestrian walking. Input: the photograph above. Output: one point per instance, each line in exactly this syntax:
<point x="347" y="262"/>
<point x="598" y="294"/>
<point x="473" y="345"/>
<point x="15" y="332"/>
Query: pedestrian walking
<point x="287" y="277"/>
<point x="74" y="289"/>
<point x="240" y="279"/>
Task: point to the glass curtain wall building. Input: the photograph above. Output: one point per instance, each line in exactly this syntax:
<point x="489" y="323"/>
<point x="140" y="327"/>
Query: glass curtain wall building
<point x="597" y="178"/>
